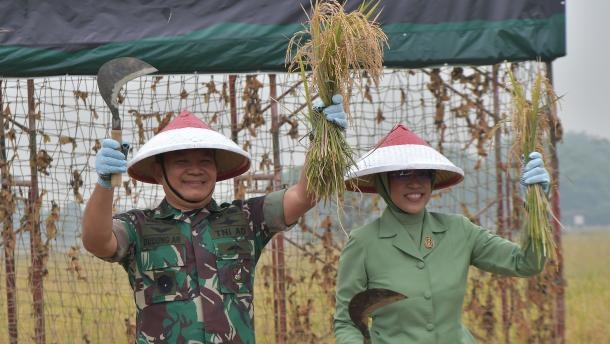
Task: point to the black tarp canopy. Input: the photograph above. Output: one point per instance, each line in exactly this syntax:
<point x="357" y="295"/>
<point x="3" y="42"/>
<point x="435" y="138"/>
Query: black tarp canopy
<point x="57" y="37"/>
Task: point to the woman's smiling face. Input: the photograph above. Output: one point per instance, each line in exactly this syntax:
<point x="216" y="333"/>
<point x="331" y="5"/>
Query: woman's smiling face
<point x="410" y="190"/>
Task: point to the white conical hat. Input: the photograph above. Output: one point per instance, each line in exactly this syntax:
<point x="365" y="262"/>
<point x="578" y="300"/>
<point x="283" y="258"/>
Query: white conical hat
<point x="186" y="131"/>
<point x="401" y="149"/>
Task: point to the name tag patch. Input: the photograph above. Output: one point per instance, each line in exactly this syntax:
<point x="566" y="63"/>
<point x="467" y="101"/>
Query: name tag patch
<point x="155" y="233"/>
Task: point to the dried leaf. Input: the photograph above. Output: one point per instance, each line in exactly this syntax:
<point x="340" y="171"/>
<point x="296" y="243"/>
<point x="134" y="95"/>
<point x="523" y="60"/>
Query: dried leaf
<point x="94" y="114"/>
<point x="96" y="146"/>
<point x="66" y="139"/>
<point x="266" y="163"/>
<point x="43" y="161"/>
<point x="156" y="81"/>
<point x="214" y="119"/>
<point x="247" y="145"/>
<point x="51" y="222"/>
<point x="82" y="95"/>
<point x="367" y="94"/>
<point x="379" y="118"/>
<point x="225" y="93"/>
<point x="211" y="86"/>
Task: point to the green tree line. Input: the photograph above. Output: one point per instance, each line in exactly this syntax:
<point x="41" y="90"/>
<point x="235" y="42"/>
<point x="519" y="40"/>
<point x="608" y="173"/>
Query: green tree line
<point x="584" y="180"/>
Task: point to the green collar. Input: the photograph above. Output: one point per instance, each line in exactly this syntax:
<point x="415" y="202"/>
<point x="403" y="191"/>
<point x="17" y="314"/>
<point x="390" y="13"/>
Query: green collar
<point x="165" y="210"/>
<point x="430" y="235"/>
<point x="393" y="222"/>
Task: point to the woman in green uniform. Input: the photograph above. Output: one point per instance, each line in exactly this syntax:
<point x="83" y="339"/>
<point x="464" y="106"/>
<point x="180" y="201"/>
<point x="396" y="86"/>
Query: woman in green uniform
<point x="423" y="255"/>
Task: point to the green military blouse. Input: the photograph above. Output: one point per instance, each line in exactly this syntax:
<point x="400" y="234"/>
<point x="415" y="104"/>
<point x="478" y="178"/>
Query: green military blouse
<point x="192" y="273"/>
<point x="432" y="274"/>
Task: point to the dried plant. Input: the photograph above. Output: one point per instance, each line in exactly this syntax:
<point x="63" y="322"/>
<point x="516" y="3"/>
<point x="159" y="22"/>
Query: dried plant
<point x="51" y="222"/>
<point x="529" y="129"/>
<point x="337" y="47"/>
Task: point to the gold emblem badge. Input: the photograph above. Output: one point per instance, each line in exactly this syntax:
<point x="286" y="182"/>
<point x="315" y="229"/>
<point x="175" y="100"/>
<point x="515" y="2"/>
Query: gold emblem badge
<point x="428" y="242"/>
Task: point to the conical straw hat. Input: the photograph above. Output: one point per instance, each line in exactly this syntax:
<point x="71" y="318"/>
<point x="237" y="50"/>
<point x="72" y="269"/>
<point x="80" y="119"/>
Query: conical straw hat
<point x="401" y="149"/>
<point x="186" y="131"/>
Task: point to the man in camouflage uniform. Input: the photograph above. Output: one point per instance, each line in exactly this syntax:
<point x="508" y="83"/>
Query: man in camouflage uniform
<point x="190" y="261"/>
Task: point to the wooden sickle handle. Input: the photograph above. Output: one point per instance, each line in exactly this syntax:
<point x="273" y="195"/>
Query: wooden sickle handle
<point x="116" y="178"/>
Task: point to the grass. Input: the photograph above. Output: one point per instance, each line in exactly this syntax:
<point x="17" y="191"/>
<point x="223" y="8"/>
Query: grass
<point x="95" y="309"/>
<point x="76" y="310"/>
<point x="587" y="271"/>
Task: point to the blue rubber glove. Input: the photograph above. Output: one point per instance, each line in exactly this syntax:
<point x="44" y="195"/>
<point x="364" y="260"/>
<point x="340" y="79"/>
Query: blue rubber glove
<point x="111" y="159"/>
<point x="334" y="113"/>
<point x="534" y="173"/>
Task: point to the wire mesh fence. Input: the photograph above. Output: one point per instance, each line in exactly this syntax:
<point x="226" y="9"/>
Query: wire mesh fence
<point x="53" y="291"/>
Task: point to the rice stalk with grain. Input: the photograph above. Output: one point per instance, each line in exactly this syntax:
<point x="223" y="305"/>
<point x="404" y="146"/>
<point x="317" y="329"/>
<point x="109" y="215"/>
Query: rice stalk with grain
<point x="530" y="127"/>
<point x="334" y="51"/>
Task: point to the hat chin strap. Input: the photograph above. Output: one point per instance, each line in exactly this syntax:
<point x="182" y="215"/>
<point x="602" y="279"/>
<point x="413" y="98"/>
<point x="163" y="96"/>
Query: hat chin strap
<point x="178" y="201"/>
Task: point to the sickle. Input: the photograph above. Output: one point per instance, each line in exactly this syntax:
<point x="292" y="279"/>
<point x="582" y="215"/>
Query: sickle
<point x="111" y="76"/>
<point x="363" y="304"/>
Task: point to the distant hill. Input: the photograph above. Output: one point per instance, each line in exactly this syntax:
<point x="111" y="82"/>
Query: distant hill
<point x="584" y="180"/>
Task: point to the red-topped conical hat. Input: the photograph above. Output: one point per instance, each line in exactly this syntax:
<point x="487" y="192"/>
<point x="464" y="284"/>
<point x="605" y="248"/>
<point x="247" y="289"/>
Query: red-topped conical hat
<point x="186" y="131"/>
<point x="401" y="149"/>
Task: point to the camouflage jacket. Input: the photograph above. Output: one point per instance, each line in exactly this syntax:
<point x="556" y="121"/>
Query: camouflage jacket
<point x="192" y="273"/>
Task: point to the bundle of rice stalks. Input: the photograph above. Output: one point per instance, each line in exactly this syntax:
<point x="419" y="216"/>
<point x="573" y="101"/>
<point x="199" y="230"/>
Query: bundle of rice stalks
<point x="529" y="127"/>
<point x="337" y="47"/>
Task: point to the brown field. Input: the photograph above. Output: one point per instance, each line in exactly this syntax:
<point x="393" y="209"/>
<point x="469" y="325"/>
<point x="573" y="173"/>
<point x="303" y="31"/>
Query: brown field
<point x="105" y="293"/>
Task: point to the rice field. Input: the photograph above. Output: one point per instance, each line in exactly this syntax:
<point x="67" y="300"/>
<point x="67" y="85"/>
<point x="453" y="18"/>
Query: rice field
<point x="587" y="271"/>
<point x="587" y="297"/>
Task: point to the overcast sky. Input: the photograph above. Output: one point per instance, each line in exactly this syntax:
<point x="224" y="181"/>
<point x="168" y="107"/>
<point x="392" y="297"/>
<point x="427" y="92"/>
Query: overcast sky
<point x="582" y="77"/>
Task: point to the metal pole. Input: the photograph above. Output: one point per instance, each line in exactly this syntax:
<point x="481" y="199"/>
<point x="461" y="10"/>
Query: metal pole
<point x="35" y="238"/>
<point x="500" y="197"/>
<point x="234" y="130"/>
<point x="277" y="245"/>
<point x="559" y="280"/>
<point x="8" y="233"/>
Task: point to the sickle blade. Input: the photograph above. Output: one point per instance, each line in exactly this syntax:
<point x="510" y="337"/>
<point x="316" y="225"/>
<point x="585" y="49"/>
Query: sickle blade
<point x="113" y="74"/>
<point x="363" y="304"/>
